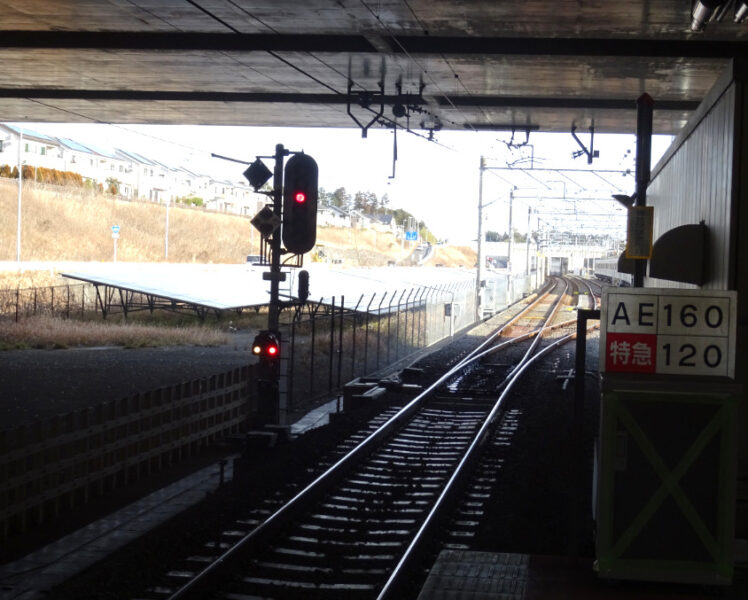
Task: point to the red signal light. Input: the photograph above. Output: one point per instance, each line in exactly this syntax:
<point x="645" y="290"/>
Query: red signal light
<point x="300" y="195"/>
<point x="266" y="346"/>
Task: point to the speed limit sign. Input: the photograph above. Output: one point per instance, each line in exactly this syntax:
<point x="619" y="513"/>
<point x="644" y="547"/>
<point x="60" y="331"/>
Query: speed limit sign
<point x="661" y="330"/>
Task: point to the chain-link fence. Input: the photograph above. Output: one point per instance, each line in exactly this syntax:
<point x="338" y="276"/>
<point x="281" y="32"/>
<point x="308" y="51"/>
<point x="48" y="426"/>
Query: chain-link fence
<point x="62" y="300"/>
<point x="329" y="343"/>
<point x="337" y="341"/>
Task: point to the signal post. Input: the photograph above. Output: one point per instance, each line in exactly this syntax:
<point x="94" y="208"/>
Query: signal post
<point x="292" y="222"/>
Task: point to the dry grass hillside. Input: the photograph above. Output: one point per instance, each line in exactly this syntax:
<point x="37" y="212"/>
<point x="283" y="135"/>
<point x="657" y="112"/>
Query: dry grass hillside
<point x="63" y="224"/>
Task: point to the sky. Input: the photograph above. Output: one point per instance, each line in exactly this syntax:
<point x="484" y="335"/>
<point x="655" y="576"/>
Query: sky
<point x="437" y="181"/>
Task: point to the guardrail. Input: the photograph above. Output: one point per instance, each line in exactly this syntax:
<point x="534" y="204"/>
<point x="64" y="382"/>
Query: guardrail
<point x="59" y="463"/>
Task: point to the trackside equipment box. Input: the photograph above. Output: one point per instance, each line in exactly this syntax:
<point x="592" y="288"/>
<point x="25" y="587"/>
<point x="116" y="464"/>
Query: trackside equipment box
<point x="666" y="455"/>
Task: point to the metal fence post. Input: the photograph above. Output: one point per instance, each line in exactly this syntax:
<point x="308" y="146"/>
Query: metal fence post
<point x="379" y="326"/>
<point x="340" y="339"/>
<point x="418" y="301"/>
<point x="331" y="316"/>
<point x="366" y="334"/>
<point x="440" y="298"/>
<point x="389" y="326"/>
<point x="312" y="353"/>
<point x="353" y="337"/>
<point x="289" y="374"/>
<point x="407" y="308"/>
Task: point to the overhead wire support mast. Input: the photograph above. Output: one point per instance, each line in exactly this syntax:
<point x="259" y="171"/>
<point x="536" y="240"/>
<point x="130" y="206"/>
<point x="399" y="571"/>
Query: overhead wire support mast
<point x="644" y="110"/>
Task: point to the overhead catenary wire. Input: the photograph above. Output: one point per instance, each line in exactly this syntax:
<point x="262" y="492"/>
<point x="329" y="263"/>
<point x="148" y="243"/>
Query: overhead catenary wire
<point x="415" y="62"/>
<point x="299" y="69"/>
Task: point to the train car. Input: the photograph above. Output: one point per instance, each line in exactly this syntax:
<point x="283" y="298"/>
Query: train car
<point x="559" y="265"/>
<point x="606" y="269"/>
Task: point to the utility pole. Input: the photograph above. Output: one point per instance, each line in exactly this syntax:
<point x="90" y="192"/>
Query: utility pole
<point x="510" y="282"/>
<point x="166" y="234"/>
<point x="20" y="194"/>
<point x="527" y="248"/>
<point x="480" y="236"/>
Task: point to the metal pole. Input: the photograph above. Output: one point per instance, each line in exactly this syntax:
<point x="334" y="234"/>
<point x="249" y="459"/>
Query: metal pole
<point x="275" y="241"/>
<point x="407" y="308"/>
<point x="20" y="195"/>
<point x="340" y="340"/>
<point x="389" y="324"/>
<point x="583" y="315"/>
<point x="480" y="235"/>
<point x="166" y="234"/>
<point x="332" y="344"/>
<point x="353" y="336"/>
<point x="312" y="351"/>
<point x="289" y="384"/>
<point x="379" y="327"/>
<point x="510" y="283"/>
<point x="366" y="336"/>
<point x="527" y="249"/>
<point x="644" y="108"/>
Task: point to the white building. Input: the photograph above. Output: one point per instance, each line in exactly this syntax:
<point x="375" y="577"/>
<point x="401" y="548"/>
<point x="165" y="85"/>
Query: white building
<point x="332" y="216"/>
<point x="137" y="176"/>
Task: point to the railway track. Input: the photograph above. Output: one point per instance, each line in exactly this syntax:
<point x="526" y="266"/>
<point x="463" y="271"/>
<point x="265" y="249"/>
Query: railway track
<point x="418" y="478"/>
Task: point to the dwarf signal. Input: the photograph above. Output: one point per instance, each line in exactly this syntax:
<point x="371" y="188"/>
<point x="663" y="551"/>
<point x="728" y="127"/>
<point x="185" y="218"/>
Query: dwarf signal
<point x="266" y="346"/>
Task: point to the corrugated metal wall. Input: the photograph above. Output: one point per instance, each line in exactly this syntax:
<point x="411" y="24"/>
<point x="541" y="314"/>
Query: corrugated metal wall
<point x="705" y="177"/>
<point x="696" y="184"/>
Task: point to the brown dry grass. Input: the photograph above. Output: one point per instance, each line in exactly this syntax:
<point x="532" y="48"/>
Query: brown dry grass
<point x="55" y="332"/>
<point x="29" y="279"/>
<point x="67" y="224"/>
<point x="454" y="256"/>
<point x="75" y="225"/>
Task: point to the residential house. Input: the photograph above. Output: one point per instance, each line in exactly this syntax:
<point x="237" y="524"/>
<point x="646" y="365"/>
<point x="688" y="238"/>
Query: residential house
<point x="38" y="150"/>
<point x="332" y="216"/>
<point x="388" y="224"/>
<point x="361" y="220"/>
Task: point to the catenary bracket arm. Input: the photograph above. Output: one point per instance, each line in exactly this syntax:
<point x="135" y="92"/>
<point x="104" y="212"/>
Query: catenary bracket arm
<point x="591" y="153"/>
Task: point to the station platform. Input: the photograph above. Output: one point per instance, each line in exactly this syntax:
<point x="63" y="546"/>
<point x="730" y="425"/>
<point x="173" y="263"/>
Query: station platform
<point x="471" y="575"/>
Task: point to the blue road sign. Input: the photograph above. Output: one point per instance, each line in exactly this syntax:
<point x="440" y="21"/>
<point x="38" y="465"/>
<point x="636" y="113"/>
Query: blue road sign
<point x="115" y="228"/>
<point x="411" y="236"/>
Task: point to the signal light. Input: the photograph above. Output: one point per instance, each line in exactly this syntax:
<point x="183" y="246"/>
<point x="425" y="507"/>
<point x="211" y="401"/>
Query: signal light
<point x="303" y="286"/>
<point x="300" y="203"/>
<point x="266" y="345"/>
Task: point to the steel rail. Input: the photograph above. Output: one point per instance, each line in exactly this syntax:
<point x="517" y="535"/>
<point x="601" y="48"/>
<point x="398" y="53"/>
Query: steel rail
<point x="491" y="338"/>
<point x="458" y="474"/>
<point x="479" y="439"/>
<point x="587" y="284"/>
<point x="337" y="469"/>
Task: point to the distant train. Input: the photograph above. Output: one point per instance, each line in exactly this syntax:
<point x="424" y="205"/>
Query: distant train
<point x="606" y="269"/>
